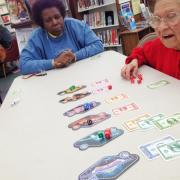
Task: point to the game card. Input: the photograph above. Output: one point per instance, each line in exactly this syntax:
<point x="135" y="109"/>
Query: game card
<point x="71" y="89"/>
<point x="168" y="122"/>
<point x="116" y="98"/>
<point x="148" y="123"/>
<point x="170" y="150"/>
<point x="75" y="97"/>
<point x="82" y="108"/>
<point x="158" y="84"/>
<point x="101" y="86"/>
<point x="129" y="107"/>
<point x="132" y="125"/>
<point x="89" y="121"/>
<point x="150" y="149"/>
<point x="110" y="167"/>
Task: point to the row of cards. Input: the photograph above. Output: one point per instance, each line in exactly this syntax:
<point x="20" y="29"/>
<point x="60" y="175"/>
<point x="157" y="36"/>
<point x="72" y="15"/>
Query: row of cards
<point x="146" y="122"/>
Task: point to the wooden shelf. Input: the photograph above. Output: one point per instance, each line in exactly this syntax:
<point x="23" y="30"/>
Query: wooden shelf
<point x="95" y="7"/>
<point x="105" y="27"/>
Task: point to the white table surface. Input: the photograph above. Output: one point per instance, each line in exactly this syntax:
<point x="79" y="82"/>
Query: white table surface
<point x="36" y="144"/>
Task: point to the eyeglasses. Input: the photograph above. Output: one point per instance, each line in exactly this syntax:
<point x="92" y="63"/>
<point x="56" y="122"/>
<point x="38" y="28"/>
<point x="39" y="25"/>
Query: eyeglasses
<point x="171" y="19"/>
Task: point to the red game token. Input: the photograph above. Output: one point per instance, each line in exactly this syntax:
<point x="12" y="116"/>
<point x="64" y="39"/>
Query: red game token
<point x="132" y="78"/>
<point x="107" y="133"/>
<point x="109" y="87"/>
<point x="140" y="76"/>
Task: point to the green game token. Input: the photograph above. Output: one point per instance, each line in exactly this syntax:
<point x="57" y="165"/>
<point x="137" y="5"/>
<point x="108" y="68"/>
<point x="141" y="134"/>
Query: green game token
<point x="100" y="134"/>
<point x="72" y="88"/>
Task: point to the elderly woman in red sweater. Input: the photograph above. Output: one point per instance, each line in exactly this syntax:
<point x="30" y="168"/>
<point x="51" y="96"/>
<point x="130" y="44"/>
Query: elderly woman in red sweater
<point x="162" y="53"/>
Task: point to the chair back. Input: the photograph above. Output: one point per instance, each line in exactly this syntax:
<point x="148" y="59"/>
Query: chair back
<point x="147" y="38"/>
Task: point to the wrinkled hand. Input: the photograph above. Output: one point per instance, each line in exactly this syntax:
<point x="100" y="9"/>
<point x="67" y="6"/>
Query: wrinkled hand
<point x="64" y="59"/>
<point x="130" y="69"/>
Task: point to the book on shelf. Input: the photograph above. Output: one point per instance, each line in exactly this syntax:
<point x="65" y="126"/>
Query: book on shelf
<point x="84" y="4"/>
<point x="3" y="10"/>
<point x="5" y="19"/>
<point x="126" y="16"/>
<point x="18" y="12"/>
<point x="109" y="37"/>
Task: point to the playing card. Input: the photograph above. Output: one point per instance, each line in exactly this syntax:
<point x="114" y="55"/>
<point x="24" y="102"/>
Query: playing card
<point x="170" y="150"/>
<point x="158" y="84"/>
<point x="168" y="122"/>
<point x="150" y="150"/>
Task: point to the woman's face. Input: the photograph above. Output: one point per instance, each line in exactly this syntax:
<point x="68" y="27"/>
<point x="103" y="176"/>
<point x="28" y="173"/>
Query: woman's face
<point x="53" y="21"/>
<point x="168" y="30"/>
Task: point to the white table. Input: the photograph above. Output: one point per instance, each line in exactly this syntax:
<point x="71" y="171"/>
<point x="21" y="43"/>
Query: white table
<point x="36" y="144"/>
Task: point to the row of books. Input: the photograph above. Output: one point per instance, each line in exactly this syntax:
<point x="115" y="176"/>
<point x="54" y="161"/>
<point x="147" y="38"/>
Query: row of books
<point x="108" y="37"/>
<point x="99" y="19"/>
<point x="84" y="4"/>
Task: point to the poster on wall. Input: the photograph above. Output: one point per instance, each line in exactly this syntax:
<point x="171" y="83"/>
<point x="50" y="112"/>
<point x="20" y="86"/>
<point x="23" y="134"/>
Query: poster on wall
<point x="18" y="12"/>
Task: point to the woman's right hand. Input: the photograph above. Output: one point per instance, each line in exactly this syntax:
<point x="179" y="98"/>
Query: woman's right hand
<point x="130" y="69"/>
<point x="64" y="59"/>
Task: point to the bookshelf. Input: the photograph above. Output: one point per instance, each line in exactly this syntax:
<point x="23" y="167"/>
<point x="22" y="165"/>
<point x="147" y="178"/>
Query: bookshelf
<point x="4" y="15"/>
<point x="102" y="17"/>
<point x="126" y="40"/>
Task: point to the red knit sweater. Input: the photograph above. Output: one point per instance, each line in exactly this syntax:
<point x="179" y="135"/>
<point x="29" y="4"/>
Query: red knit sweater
<point x="156" y="55"/>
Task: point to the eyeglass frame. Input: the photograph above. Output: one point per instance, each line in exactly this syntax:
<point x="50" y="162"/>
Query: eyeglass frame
<point x="165" y="19"/>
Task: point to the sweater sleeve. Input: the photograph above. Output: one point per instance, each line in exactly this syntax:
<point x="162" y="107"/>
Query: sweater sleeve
<point x="143" y="54"/>
<point x="32" y="58"/>
<point x="90" y="44"/>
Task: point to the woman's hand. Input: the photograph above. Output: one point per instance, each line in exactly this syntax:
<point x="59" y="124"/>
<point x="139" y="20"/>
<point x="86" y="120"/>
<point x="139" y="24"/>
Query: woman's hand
<point x="64" y="59"/>
<point x="130" y="69"/>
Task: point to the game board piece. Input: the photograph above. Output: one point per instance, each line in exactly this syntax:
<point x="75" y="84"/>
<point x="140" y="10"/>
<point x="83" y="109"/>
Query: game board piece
<point x="89" y="121"/>
<point x="82" y="108"/>
<point x="110" y="167"/>
<point x="98" y="138"/>
<point x="129" y="107"/>
<point x="75" y="97"/>
<point x="71" y="89"/>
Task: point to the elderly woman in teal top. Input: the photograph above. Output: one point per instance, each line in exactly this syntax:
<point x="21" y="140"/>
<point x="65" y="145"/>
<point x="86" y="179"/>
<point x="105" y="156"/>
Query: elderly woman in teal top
<point x="58" y="41"/>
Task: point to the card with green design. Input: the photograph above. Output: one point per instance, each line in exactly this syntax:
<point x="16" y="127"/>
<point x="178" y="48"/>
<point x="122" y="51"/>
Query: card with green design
<point x="170" y="150"/>
<point x="168" y="121"/>
<point x="158" y="84"/>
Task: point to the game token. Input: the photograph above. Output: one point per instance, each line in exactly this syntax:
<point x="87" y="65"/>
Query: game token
<point x="110" y="167"/>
